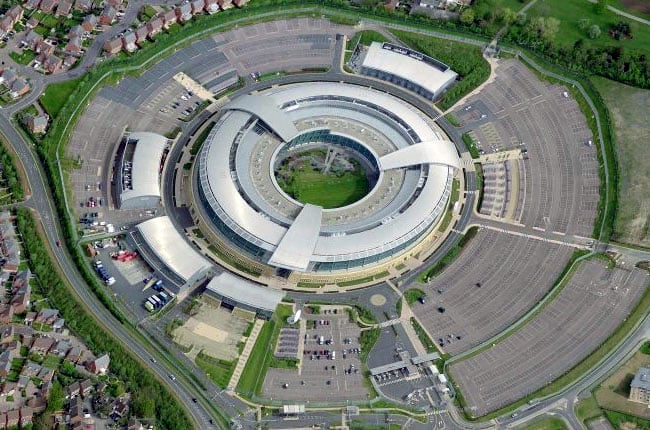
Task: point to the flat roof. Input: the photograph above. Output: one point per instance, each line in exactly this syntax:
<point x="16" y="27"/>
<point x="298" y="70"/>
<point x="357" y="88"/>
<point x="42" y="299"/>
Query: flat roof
<point x="442" y="152"/>
<point x="145" y="168"/>
<point x="172" y="248"/>
<point x="297" y="246"/>
<point x="245" y="292"/>
<point x="265" y="109"/>
<point x="413" y="66"/>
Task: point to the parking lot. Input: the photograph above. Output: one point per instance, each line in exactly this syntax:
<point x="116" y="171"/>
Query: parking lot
<point x="589" y="308"/>
<point x="330" y="367"/>
<point x="518" y="111"/>
<point x="496" y="279"/>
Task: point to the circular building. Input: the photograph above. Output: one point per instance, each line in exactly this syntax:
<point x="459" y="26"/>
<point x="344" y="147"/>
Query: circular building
<point x="323" y="177"/>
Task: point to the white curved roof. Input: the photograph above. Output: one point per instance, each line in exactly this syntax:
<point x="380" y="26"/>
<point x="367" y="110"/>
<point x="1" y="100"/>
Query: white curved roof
<point x="297" y="246"/>
<point x="264" y="108"/>
<point x="245" y="292"/>
<point x="410" y="65"/>
<point x="294" y="247"/>
<point x="146" y="165"/>
<point x="172" y="248"/>
<point x="441" y="152"/>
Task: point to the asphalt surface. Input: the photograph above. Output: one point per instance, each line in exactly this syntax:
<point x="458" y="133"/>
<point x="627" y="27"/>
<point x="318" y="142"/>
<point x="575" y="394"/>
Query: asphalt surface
<point x="41" y="199"/>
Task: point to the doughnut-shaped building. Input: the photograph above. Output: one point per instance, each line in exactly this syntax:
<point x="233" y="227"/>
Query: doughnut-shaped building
<point x="409" y="162"/>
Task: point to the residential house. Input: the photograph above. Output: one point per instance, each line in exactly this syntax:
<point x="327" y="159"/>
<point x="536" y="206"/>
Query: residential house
<point x="141" y="34"/>
<point x="26" y="416"/>
<point x="242" y="3"/>
<point x="72" y="390"/>
<point x="48" y="6"/>
<point x="64" y="8"/>
<point x="45" y="374"/>
<point x="108" y="15"/>
<point x="6" y="24"/>
<point x="76" y="411"/>
<point x="115" y="3"/>
<point x="184" y="12"/>
<point x="31" y="40"/>
<point x="74" y="355"/>
<point x="42" y="345"/>
<point x="225" y="4"/>
<point x="211" y="6"/>
<point x="113" y="46"/>
<point x="11" y="262"/>
<point x="31" y="23"/>
<point x="6" y="357"/>
<point x="13" y="418"/>
<point x="69" y="61"/>
<point x="38" y="404"/>
<point x="32" y="4"/>
<point x="31" y="369"/>
<point x="7" y="76"/>
<point x="76" y="31"/>
<point x="85" y="387"/>
<point x="134" y="425"/>
<point x="169" y="18"/>
<point x="61" y="348"/>
<point x="73" y="47"/>
<point x="52" y="64"/>
<point x="16" y="13"/>
<point x="6" y="313"/>
<point x="89" y="23"/>
<point x="83" y="5"/>
<point x="45" y="48"/>
<point x="30" y="318"/>
<point x="8" y="389"/>
<point x="155" y="26"/>
<point x="58" y="325"/>
<point x="7" y="334"/>
<point x="128" y="41"/>
<point x="98" y="366"/>
<point x="120" y="408"/>
<point x="47" y="316"/>
<point x="198" y="6"/>
<point x="23" y="381"/>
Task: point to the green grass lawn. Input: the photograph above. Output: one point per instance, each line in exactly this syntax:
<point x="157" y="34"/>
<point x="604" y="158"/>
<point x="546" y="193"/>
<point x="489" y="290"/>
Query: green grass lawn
<point x="51" y="362"/>
<point x="56" y="95"/>
<point x="546" y="423"/>
<point x="571" y="12"/>
<point x="366" y="37"/>
<point x="629" y="107"/>
<point x="587" y="409"/>
<point x="328" y="190"/>
<point x="219" y="371"/>
<point x="413" y="294"/>
<point x="24" y="57"/>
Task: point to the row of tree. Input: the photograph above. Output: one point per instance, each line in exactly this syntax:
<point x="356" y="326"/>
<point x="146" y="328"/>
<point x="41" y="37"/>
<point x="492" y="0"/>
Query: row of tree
<point x="151" y="397"/>
<point x="10" y="176"/>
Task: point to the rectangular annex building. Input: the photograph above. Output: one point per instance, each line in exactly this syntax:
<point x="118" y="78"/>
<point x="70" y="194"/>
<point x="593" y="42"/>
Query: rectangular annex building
<point x="407" y="68"/>
<point x="237" y="292"/>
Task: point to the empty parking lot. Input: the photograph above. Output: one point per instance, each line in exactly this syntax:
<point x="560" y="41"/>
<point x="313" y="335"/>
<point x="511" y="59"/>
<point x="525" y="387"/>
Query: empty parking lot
<point x="592" y="304"/>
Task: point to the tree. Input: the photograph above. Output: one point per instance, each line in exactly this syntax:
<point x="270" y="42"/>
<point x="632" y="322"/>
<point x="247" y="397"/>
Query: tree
<point x="600" y="6"/>
<point x="57" y="397"/>
<point x="144" y="405"/>
<point x="467" y="17"/>
<point x="551" y="27"/>
<point x="583" y="24"/>
<point x="508" y="16"/>
<point x="594" y="31"/>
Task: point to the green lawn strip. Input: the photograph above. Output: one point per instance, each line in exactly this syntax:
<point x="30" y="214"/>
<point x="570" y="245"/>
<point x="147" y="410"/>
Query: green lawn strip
<point x="261" y="357"/>
<point x="125" y="366"/>
<point x="56" y="96"/>
<point x="587" y="409"/>
<point x="572" y="375"/>
<point x="545" y="423"/>
<point x="471" y="145"/>
<point x="198" y="142"/>
<point x="464" y="59"/>
<point x="219" y="371"/>
<point x="451" y="255"/>
<point x="423" y="336"/>
<point x="621" y="421"/>
<point x="24" y="57"/>
<point x="453" y="120"/>
<point x="645" y="348"/>
<point x="413" y="294"/>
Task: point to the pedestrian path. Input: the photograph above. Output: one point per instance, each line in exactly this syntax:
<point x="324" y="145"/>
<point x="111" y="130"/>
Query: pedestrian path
<point x="243" y="358"/>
